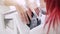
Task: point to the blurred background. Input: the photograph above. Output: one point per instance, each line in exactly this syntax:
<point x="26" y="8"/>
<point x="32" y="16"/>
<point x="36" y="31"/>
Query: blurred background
<point x="22" y="16"/>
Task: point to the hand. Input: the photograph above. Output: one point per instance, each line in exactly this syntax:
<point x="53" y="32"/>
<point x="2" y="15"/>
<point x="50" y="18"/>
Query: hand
<point x="10" y="2"/>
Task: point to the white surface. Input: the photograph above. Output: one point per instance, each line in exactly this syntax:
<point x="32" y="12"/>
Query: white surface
<point x="22" y="28"/>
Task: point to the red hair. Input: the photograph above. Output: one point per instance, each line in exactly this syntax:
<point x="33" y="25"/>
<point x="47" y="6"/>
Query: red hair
<point x="53" y="10"/>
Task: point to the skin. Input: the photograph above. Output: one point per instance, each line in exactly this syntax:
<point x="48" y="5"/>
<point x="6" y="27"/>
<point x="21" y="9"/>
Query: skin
<point x="19" y="8"/>
<point x="42" y="4"/>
